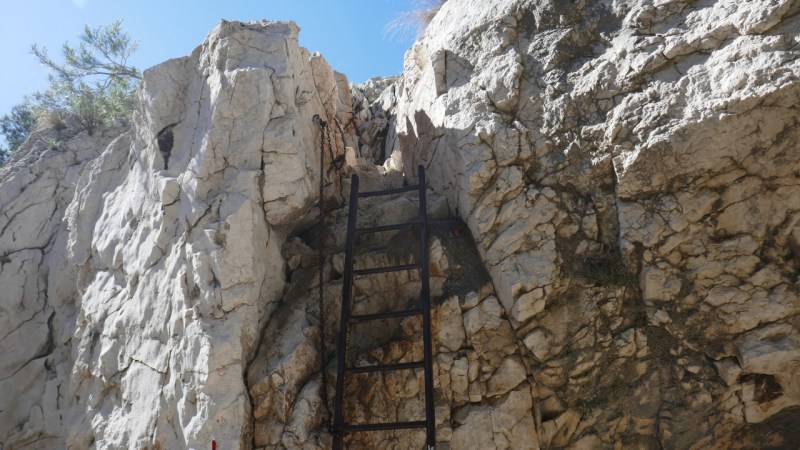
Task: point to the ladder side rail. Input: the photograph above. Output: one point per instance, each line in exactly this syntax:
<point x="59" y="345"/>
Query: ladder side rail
<point x="347" y="283"/>
<point x="430" y="419"/>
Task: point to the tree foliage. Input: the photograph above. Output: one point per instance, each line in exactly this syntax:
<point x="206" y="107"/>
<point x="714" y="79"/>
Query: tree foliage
<point x="103" y="52"/>
<point x="93" y="86"/>
<point x="15" y="127"/>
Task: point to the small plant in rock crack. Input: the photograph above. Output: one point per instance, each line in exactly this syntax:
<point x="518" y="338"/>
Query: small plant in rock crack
<point x="608" y="269"/>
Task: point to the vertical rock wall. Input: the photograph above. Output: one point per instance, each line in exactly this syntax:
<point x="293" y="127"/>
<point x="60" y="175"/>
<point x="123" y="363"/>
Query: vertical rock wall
<point x="630" y="172"/>
<point x="36" y="296"/>
<point x="160" y="277"/>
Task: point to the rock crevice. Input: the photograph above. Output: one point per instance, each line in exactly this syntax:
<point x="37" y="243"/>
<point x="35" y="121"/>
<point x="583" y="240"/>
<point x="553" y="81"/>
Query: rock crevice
<point x="625" y="275"/>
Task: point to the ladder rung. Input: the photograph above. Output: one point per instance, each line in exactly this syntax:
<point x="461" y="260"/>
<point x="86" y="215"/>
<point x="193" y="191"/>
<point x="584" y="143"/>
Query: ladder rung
<point x="388" y="191"/>
<point x="385" y="315"/>
<point x="386" y="269"/>
<point x="386" y="367"/>
<point x="356" y="427"/>
<point x="397" y="226"/>
<point x="446" y="222"/>
<point x="341" y="427"/>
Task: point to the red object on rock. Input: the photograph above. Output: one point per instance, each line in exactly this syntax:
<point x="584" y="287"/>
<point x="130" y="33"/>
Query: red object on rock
<point x="213" y="445"/>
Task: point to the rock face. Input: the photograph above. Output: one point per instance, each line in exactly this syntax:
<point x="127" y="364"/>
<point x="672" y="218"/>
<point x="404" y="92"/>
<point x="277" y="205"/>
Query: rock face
<point x="36" y="296"/>
<point x="627" y="274"/>
<point x="131" y="315"/>
<point x="630" y="172"/>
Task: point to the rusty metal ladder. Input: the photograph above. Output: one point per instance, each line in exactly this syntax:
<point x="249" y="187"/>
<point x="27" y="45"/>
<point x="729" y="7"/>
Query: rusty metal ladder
<point x="339" y="427"/>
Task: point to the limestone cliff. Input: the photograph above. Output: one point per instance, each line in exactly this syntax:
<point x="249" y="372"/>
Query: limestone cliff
<point x="627" y="273"/>
<point x="138" y="275"/>
<point x="630" y="172"/>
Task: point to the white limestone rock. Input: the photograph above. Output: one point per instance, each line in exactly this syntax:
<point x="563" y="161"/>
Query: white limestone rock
<point x="627" y="169"/>
<point x="505" y="425"/>
<point x="174" y="260"/>
<point x="728" y="370"/>
<point x="773" y="349"/>
<point x="600" y="148"/>
<point x="449" y="335"/>
<point x="38" y="290"/>
<point x="374" y="87"/>
<point x="507" y="377"/>
<point x="488" y="332"/>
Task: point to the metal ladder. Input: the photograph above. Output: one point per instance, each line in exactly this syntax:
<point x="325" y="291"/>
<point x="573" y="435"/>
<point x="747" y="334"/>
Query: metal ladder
<point x="339" y="426"/>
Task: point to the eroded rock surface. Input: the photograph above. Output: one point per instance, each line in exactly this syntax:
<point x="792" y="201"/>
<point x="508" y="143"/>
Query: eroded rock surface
<point x="134" y="312"/>
<point x="36" y="295"/>
<point x="630" y="172"/>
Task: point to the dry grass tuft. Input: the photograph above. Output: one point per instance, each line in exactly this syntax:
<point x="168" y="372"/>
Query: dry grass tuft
<point x="414" y="21"/>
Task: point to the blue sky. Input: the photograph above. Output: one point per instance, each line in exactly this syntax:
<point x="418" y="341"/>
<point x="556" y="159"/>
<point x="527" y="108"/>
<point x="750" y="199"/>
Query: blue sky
<point x="349" y="33"/>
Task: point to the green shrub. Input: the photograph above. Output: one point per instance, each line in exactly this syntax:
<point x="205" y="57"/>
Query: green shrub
<point x="93" y="86"/>
<point x="15" y="128"/>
